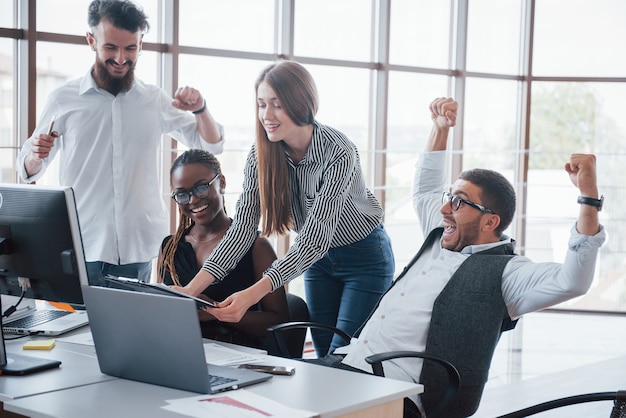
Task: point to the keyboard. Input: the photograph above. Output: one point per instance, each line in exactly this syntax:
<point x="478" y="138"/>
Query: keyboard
<point x="219" y="380"/>
<point x="37" y="318"/>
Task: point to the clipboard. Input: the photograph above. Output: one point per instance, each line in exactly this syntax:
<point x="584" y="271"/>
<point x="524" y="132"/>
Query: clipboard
<point x="159" y="289"/>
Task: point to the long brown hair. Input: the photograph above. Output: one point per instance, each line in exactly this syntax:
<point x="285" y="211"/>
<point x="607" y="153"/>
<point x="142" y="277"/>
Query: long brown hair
<point x="165" y="262"/>
<point x="297" y="93"/>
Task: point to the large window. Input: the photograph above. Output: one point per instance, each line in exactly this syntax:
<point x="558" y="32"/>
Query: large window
<point x="537" y="80"/>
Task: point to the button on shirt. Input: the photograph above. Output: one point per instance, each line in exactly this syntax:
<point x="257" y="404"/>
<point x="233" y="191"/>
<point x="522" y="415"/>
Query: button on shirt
<point x="109" y="154"/>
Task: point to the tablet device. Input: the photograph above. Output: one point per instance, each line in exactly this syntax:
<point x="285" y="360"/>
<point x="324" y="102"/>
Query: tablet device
<point x="158" y="288"/>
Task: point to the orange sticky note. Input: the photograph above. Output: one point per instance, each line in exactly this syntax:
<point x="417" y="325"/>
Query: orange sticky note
<point x="62" y="306"/>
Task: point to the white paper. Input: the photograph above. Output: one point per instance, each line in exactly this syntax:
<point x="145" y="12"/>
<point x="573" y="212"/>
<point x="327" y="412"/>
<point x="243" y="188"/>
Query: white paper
<point x="234" y="404"/>
<point x="224" y="356"/>
<point x="84" y="338"/>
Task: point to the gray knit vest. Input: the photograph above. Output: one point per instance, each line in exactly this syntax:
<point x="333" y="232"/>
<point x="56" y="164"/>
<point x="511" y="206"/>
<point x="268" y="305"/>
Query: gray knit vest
<point x="468" y="317"/>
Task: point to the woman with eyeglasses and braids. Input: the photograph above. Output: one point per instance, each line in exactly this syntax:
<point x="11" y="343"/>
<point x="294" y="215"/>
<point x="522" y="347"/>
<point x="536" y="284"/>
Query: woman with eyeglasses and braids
<point x="198" y="187"/>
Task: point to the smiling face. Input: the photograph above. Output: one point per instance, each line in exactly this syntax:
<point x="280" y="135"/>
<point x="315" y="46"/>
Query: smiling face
<point x="116" y="55"/>
<point x="277" y="124"/>
<point x="202" y="211"/>
<point x="467" y="225"/>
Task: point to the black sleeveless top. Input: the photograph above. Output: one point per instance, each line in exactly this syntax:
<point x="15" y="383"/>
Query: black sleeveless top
<point x="240" y="278"/>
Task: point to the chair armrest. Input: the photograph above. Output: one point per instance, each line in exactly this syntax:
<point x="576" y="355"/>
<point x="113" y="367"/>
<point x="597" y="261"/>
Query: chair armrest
<point x="276" y="330"/>
<point x="618" y="398"/>
<point x="454" y="379"/>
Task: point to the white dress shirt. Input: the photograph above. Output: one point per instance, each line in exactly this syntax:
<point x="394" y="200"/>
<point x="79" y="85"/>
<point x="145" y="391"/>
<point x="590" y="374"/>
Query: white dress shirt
<point x="109" y="154"/>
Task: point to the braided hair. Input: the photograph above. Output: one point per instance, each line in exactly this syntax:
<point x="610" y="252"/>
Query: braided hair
<point x="166" y="256"/>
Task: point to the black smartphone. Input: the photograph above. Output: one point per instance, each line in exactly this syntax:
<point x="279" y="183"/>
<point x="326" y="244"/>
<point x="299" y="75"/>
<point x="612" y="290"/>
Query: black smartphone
<point x="280" y="370"/>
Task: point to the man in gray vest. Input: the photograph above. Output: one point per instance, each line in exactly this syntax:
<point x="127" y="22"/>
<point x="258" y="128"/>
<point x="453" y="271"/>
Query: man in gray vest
<point x="466" y="286"/>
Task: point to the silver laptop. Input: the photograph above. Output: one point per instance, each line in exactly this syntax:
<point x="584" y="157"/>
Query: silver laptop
<point x="156" y="339"/>
<point x="28" y="319"/>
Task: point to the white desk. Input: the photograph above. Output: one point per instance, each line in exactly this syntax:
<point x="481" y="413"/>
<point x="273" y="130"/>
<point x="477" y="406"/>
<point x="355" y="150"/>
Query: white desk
<point x="79" y="366"/>
<point x="329" y="392"/>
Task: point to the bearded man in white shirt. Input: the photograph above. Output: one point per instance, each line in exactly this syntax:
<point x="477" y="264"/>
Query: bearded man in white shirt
<point x="108" y="127"/>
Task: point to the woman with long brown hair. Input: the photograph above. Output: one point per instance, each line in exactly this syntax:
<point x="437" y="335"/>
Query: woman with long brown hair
<point x="304" y="176"/>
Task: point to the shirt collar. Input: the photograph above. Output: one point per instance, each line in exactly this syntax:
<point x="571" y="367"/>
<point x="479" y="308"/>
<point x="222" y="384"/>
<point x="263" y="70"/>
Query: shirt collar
<point x="472" y="249"/>
<point x="87" y="83"/>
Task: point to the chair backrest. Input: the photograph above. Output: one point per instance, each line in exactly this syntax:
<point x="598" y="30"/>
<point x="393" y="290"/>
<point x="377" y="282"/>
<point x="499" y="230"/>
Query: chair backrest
<point x="294" y="339"/>
<point x="618" y="398"/>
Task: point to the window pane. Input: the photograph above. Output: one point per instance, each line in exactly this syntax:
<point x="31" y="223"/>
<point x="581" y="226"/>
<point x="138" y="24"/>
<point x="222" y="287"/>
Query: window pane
<point x="408" y="126"/>
<point x="420" y="33"/>
<point x="568" y="118"/>
<point x="70" y="17"/>
<point x="489" y="53"/>
<point x="321" y="29"/>
<point x="243" y="25"/>
<point x="490" y="114"/>
<point x="344" y="102"/>
<point x="6" y="17"/>
<point x="579" y="38"/>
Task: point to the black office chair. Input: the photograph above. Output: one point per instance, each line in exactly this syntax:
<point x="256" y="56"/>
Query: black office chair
<point x="292" y="341"/>
<point x="376" y="360"/>
<point x="618" y="398"/>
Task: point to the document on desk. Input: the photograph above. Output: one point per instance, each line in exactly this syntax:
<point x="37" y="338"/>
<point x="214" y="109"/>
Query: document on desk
<point x="224" y="356"/>
<point x="234" y="404"/>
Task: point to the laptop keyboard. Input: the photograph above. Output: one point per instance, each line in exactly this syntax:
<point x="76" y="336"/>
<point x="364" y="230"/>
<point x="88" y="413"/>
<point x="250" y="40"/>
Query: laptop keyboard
<point x="37" y="318"/>
<point x="220" y="380"/>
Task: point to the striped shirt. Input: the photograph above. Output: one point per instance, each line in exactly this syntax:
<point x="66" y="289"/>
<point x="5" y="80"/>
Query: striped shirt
<point x="331" y="207"/>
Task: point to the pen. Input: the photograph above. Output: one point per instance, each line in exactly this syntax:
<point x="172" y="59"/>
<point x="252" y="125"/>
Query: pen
<point x="51" y="125"/>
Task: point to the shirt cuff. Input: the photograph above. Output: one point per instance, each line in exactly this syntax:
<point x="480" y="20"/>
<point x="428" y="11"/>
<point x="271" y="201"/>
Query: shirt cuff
<point x="432" y="160"/>
<point x="217" y="272"/>
<point x="595" y="241"/>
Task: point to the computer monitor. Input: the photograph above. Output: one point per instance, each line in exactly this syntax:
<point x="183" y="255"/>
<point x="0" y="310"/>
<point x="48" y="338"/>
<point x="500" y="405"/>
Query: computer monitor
<point x="40" y="244"/>
<point x="41" y="253"/>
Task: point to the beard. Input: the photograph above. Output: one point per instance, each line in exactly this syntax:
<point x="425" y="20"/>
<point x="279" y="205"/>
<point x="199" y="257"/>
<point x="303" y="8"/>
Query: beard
<point x="113" y="85"/>
<point x="468" y="235"/>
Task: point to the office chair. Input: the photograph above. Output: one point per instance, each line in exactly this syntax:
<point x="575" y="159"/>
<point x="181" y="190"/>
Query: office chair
<point x="292" y="341"/>
<point x="618" y="398"/>
<point x="376" y="360"/>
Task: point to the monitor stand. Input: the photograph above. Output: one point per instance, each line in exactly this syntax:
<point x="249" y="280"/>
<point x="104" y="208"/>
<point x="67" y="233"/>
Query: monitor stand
<point x="17" y="364"/>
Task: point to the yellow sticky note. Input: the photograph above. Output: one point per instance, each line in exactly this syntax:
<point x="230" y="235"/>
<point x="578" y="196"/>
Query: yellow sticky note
<point x="39" y="344"/>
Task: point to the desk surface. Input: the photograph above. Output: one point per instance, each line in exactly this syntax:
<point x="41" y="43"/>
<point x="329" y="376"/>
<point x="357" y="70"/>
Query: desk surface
<point x="79" y="366"/>
<point x="329" y="392"/>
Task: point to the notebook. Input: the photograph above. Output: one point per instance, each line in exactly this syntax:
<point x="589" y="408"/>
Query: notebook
<point x="156" y="339"/>
<point x="29" y="319"/>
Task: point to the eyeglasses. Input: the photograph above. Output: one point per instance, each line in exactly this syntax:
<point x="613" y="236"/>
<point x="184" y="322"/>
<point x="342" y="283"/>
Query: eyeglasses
<point x="183" y="197"/>
<point x="455" y="203"/>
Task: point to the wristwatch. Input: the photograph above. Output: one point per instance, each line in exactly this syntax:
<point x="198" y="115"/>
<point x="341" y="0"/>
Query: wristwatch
<point x="591" y="201"/>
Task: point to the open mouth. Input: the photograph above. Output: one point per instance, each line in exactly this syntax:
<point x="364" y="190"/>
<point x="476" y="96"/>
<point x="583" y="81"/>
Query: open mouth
<point x="449" y="228"/>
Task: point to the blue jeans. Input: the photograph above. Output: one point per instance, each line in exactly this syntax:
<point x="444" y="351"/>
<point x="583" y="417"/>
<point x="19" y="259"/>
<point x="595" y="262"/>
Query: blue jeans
<point x="96" y="270"/>
<point x="343" y="287"/>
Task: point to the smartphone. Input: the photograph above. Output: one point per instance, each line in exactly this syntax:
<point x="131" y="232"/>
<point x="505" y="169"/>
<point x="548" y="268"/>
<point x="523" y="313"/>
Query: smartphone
<point x="280" y="370"/>
<point x="51" y="127"/>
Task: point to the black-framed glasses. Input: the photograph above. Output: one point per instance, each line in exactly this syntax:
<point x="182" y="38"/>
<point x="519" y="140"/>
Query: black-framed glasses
<point x="455" y="203"/>
<point x="183" y="197"/>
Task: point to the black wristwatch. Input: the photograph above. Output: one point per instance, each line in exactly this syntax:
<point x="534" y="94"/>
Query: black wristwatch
<point x="591" y="201"/>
